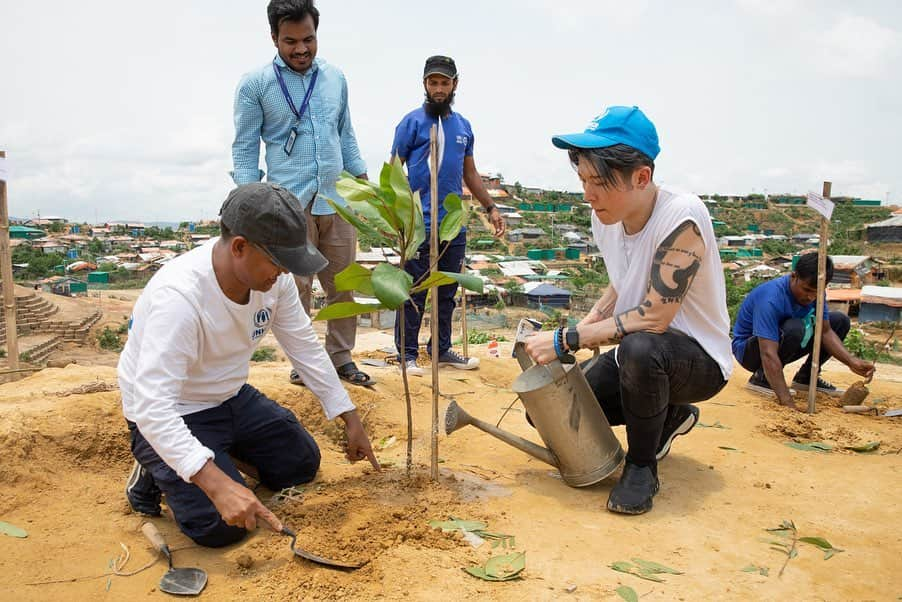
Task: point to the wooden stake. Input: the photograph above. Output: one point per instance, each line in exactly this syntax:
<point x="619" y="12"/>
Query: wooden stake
<point x="433" y="292"/>
<point x="819" y="306"/>
<point x="6" y="273"/>
<point x="463" y="295"/>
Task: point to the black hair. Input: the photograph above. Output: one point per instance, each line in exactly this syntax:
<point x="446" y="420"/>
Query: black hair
<point x="224" y="232"/>
<point x="290" y="10"/>
<point x="612" y="160"/>
<point x="806" y="269"/>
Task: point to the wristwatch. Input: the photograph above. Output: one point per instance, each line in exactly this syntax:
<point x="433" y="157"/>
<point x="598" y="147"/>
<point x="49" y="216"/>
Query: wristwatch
<point x="571" y="337"/>
<point x="490" y="208"/>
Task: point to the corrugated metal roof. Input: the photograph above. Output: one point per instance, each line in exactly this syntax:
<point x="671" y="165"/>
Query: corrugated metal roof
<point x="896" y="220"/>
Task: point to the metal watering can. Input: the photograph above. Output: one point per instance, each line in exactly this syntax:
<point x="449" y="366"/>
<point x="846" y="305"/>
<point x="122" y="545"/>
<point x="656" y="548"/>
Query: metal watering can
<point x="566" y="414"/>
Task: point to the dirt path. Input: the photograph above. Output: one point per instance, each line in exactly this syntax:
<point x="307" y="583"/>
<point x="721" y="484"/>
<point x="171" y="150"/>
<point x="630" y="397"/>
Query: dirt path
<point x="65" y="457"/>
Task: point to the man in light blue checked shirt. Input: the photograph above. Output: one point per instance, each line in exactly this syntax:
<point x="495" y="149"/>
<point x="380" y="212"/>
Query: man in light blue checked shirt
<point x="298" y="106"/>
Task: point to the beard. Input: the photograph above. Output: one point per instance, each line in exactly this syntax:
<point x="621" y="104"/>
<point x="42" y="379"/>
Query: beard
<point x="438" y="109"/>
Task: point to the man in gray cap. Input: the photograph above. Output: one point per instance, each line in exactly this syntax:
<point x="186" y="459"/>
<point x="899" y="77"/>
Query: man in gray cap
<point x="183" y="373"/>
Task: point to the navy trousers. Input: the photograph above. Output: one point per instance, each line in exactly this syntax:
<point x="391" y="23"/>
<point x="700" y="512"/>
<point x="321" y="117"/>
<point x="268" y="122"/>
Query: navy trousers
<point x="249" y="427"/>
<point x="790" y="347"/>
<point x="452" y="254"/>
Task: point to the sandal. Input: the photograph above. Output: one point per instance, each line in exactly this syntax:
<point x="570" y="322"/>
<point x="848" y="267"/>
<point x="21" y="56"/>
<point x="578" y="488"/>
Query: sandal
<point x="295" y="379"/>
<point x="353" y="375"/>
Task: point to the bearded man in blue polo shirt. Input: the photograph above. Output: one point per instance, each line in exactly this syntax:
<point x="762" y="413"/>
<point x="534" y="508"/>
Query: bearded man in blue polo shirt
<point x="298" y="106"/>
<point x="774" y="327"/>
<point x="455" y="165"/>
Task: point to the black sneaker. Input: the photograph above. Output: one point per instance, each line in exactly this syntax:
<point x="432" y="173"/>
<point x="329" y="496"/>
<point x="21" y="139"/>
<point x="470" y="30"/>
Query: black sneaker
<point x="758" y="383"/>
<point x="823" y="386"/>
<point x="637" y="486"/>
<point x="142" y="492"/>
<point x="455" y="360"/>
<point x="680" y="420"/>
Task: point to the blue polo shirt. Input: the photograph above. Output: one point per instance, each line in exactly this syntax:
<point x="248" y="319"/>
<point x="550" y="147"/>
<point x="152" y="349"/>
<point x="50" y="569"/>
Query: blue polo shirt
<point x="411" y="143"/>
<point x="764" y="310"/>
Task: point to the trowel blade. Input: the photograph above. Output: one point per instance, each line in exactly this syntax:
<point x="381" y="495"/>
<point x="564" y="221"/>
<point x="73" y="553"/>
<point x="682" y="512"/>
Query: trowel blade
<point x="183" y="582"/>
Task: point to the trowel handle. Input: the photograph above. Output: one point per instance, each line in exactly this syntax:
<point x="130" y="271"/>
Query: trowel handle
<point x="595" y="355"/>
<point x="155" y="538"/>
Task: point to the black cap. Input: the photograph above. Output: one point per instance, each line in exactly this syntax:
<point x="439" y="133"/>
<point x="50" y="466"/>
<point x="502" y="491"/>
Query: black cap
<point x="271" y="217"/>
<point x="441" y="65"/>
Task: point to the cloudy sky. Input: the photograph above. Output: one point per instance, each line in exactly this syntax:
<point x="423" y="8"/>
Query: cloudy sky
<point x="123" y="110"/>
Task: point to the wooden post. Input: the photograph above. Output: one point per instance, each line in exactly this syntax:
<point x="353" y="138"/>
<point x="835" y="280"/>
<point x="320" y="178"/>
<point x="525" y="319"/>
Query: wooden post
<point x="6" y="273"/>
<point x="819" y="306"/>
<point x="433" y="292"/>
<point x="463" y="295"/>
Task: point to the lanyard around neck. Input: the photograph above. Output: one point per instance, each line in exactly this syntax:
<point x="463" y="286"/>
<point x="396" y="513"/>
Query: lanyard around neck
<point x="287" y="94"/>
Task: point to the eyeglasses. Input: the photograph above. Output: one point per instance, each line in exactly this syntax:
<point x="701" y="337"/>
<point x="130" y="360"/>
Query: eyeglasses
<point x="269" y="255"/>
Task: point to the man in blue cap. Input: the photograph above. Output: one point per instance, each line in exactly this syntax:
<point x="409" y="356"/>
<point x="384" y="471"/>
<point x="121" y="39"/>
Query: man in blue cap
<point x="665" y="309"/>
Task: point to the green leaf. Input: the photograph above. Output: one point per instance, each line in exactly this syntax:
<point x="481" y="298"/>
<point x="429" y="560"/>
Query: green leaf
<point x="627" y="593"/>
<point x="478" y="571"/>
<point x="453" y="220"/>
<point x="349" y="216"/>
<point x="385" y="182"/>
<point x="750" y="569"/>
<point x="371" y="213"/>
<point x="622" y="566"/>
<point x="355" y="277"/>
<point x="391" y="285"/>
<point x="727" y="448"/>
<point x="716" y="425"/>
<point x="355" y="189"/>
<point x="346" y="309"/>
<point x="821" y="543"/>
<point x="828" y="554"/>
<point x="415" y="233"/>
<point x="403" y="197"/>
<point x="12" y="530"/>
<point x="865" y="447"/>
<point x="654" y="567"/>
<point x="434" y="279"/>
<point x="506" y="566"/>
<point x="469" y="282"/>
<point x="815" y="447"/>
<point x="764" y="571"/>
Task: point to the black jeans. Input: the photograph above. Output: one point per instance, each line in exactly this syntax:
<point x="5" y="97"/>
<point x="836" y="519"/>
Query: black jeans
<point x="252" y="428"/>
<point x="450" y="261"/>
<point x="790" y="348"/>
<point x="637" y="381"/>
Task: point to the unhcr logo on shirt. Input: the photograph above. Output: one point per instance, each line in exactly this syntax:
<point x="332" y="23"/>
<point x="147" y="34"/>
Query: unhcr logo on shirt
<point x="261" y="322"/>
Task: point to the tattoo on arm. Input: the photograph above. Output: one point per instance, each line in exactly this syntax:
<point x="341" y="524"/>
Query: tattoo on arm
<point x="679" y="265"/>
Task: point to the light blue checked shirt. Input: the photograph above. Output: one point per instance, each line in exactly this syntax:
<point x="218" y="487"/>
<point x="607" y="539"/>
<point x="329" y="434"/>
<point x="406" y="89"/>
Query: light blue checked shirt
<point x="325" y="144"/>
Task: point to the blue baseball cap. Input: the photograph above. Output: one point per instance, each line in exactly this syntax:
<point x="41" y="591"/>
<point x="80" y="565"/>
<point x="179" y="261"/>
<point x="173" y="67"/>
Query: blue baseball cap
<point x="617" y="125"/>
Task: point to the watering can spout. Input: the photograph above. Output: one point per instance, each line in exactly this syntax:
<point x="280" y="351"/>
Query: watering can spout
<point x="456" y="418"/>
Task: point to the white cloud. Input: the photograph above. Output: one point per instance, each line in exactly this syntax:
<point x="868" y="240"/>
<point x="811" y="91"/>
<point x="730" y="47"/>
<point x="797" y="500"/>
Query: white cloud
<point x="855" y="46"/>
<point x="772" y="8"/>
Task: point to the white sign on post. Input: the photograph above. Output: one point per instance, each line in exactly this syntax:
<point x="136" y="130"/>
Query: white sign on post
<point x="820" y="204"/>
<point x="4" y="169"/>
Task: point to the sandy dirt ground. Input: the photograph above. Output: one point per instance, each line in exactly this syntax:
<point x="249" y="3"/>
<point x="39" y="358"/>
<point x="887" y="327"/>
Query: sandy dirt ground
<point x="64" y="456"/>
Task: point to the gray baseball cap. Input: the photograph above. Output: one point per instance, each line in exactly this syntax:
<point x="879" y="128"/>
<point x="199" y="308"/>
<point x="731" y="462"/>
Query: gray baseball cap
<point x="272" y="218"/>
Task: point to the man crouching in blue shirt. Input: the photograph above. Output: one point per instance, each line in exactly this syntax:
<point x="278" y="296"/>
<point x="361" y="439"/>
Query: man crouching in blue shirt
<point x="775" y="327"/>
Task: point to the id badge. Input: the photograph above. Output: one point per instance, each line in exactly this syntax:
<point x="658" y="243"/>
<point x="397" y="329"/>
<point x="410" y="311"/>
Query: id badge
<point x="289" y="144"/>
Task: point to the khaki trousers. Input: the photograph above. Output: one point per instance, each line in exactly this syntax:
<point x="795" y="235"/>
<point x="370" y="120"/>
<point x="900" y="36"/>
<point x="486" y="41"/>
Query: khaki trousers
<point x="336" y="239"/>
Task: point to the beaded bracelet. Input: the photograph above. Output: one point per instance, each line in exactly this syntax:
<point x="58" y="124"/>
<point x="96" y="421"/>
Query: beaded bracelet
<point x="559" y="342"/>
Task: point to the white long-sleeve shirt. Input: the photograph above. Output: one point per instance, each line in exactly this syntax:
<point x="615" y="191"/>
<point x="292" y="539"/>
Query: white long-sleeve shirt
<point x="189" y="349"/>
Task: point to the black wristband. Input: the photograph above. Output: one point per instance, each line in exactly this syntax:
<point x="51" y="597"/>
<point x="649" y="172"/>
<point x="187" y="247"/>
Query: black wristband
<point x="572" y="339"/>
<point x="490" y="208"/>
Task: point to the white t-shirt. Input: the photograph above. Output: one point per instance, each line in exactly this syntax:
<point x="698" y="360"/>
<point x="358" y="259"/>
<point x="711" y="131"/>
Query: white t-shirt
<point x="189" y="349"/>
<point x="628" y="258"/>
